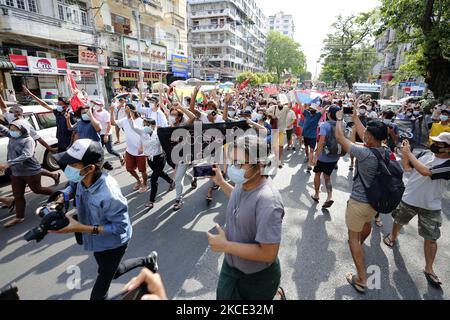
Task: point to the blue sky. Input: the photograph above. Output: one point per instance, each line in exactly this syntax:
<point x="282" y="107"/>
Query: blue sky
<point x="313" y="19"/>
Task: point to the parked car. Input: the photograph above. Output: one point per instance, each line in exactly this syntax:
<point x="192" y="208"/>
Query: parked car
<point x="44" y="122"/>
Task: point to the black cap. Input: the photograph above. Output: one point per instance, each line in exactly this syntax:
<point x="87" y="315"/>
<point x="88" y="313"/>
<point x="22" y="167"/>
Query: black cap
<point x="86" y="151"/>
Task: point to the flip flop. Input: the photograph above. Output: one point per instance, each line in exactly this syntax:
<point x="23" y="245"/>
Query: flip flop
<point x="328" y="204"/>
<point x="351" y="279"/>
<point x="317" y="200"/>
<point x="209" y="200"/>
<point x="432" y="279"/>
<point x="379" y="223"/>
<point x="387" y="241"/>
<point x="137" y="186"/>
<point x="13" y="222"/>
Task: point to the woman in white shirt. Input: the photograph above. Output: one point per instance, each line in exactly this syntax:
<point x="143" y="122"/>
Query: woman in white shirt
<point x="150" y="146"/>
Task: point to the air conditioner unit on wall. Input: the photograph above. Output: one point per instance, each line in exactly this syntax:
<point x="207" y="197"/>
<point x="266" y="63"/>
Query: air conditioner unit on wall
<point x="109" y="28"/>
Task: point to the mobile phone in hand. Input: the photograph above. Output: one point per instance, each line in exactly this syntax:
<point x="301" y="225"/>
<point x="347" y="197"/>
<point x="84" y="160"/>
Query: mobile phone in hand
<point x="204" y="171"/>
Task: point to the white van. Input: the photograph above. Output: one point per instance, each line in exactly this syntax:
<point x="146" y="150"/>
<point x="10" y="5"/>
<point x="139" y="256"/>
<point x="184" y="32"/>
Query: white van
<point x="44" y="122"/>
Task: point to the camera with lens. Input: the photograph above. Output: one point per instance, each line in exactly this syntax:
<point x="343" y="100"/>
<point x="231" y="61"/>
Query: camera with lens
<point x="53" y="215"/>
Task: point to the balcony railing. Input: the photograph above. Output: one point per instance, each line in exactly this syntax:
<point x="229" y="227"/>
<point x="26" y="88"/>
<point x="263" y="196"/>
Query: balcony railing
<point x="31" y="17"/>
<point x="176" y="19"/>
<point x="214" y="27"/>
<point x="215" y="13"/>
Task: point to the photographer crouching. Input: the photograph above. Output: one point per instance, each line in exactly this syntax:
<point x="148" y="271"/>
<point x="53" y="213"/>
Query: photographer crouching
<point x="251" y="269"/>
<point x="102" y="210"/>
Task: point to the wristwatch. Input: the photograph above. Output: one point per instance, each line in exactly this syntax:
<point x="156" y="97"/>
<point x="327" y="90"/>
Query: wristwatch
<point x="95" y="231"/>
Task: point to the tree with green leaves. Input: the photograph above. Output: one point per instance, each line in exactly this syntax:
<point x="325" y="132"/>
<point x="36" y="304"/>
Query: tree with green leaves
<point x="283" y="55"/>
<point x="255" y="78"/>
<point x="348" y="56"/>
<point x="425" y="24"/>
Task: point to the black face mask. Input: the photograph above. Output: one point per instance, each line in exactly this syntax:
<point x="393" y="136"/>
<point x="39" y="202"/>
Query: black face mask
<point x="436" y="149"/>
<point x="280" y="108"/>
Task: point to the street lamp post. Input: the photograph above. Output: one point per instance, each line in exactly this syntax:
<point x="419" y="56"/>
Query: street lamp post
<point x="137" y="17"/>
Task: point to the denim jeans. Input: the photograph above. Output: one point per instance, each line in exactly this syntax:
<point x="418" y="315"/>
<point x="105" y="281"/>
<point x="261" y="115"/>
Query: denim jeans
<point x="181" y="171"/>
<point x="109" y="146"/>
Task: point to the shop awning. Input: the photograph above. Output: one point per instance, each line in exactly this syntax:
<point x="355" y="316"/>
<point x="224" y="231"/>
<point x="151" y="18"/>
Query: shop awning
<point x="7" y="65"/>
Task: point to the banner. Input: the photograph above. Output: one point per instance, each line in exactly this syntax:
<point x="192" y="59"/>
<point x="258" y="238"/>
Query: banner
<point x="190" y="139"/>
<point x="271" y="90"/>
<point x="154" y="57"/>
<point x="78" y="100"/>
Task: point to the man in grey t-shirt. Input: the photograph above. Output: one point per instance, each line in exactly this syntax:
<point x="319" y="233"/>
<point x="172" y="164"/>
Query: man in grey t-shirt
<point x="359" y="212"/>
<point x="251" y="270"/>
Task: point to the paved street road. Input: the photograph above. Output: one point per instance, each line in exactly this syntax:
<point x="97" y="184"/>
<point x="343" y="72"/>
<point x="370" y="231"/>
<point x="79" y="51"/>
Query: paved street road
<point x="314" y="253"/>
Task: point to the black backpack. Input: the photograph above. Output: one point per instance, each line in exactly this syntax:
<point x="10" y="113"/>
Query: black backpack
<point x="332" y="148"/>
<point x="386" y="191"/>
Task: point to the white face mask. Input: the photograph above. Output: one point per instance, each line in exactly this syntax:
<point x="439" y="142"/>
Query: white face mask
<point x="231" y="113"/>
<point x="172" y="119"/>
<point x="10" y="117"/>
<point x="362" y="112"/>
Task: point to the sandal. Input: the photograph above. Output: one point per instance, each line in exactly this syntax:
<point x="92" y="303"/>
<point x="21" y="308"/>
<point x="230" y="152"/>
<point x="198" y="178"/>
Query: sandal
<point x="122" y="162"/>
<point x="13" y="222"/>
<point x="194" y="184"/>
<point x="432" y="279"/>
<point x="116" y="143"/>
<point x="328" y="204"/>
<point x="137" y="186"/>
<point x="143" y="189"/>
<point x="317" y="200"/>
<point x="178" y="204"/>
<point x="387" y="241"/>
<point x="216" y="187"/>
<point x="209" y="199"/>
<point x="351" y="279"/>
<point x="378" y="222"/>
<point x="280" y="294"/>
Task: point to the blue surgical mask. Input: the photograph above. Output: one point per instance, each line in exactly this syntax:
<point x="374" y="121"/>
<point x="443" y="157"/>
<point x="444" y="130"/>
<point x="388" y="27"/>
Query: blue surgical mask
<point x="73" y="174"/>
<point x="10" y="117"/>
<point x="85" y="117"/>
<point x="416" y="113"/>
<point x="15" y="134"/>
<point x="443" y="118"/>
<point x="59" y="108"/>
<point x="148" y="130"/>
<point x="259" y="117"/>
<point x="236" y="175"/>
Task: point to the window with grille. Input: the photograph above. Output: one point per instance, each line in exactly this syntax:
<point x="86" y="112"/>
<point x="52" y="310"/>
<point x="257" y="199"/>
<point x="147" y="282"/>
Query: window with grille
<point x="73" y="11"/>
<point x="148" y="32"/>
<point x="119" y="22"/>
<point x="28" y="5"/>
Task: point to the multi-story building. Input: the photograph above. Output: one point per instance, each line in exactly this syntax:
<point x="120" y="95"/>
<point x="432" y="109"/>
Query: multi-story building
<point x="225" y="38"/>
<point x="162" y="25"/>
<point x="392" y="57"/>
<point x="39" y="39"/>
<point x="282" y="23"/>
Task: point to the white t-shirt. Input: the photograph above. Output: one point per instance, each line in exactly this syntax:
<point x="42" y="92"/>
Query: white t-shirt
<point x="133" y="139"/>
<point x="204" y="118"/>
<point x="104" y="118"/>
<point x="120" y="114"/>
<point x="371" y="115"/>
<point x="424" y="192"/>
<point x="158" y="116"/>
<point x="290" y="120"/>
<point x="281" y="115"/>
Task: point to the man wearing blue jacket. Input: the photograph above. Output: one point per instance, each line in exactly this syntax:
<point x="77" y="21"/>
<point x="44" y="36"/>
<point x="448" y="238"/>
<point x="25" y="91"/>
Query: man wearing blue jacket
<point x="102" y="210"/>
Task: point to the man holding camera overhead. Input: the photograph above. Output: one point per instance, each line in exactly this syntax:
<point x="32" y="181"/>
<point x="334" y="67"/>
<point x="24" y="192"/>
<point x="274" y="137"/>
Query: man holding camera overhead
<point x="102" y="210"/>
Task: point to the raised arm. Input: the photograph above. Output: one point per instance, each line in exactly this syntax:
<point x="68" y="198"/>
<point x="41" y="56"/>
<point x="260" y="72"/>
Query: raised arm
<point x="187" y="112"/>
<point x="95" y="123"/>
<point x="40" y="101"/>
<point x="194" y="98"/>
<point x="139" y="131"/>
<point x="2" y="105"/>
<point x="340" y="136"/>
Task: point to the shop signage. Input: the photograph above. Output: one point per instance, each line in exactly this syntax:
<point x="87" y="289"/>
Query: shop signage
<point x="42" y="65"/>
<point x="154" y="57"/>
<point x="39" y="65"/>
<point x="180" y="66"/>
<point x="86" y="56"/>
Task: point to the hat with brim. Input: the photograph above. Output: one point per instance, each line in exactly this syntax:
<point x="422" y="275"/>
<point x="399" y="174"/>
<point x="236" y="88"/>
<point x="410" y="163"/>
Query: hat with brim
<point x="86" y="151"/>
<point x="97" y="102"/>
<point x="314" y="106"/>
<point x="443" y="137"/>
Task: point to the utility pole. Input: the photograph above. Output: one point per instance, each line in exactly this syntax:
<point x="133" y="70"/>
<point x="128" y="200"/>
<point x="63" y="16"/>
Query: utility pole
<point x="137" y="18"/>
<point x="98" y="49"/>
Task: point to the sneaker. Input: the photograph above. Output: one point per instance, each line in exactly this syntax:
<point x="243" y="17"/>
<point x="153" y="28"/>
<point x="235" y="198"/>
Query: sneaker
<point x="150" y="205"/>
<point x="151" y="262"/>
<point x="178" y="204"/>
<point x="172" y="186"/>
<point x="108" y="166"/>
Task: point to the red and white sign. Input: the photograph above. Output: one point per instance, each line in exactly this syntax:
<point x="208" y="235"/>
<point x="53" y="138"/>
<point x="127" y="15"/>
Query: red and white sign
<point x="42" y="65"/>
<point x="76" y="74"/>
<point x="86" y="56"/>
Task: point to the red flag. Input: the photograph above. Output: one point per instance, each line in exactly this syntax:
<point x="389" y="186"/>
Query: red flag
<point x="244" y="84"/>
<point x="78" y="99"/>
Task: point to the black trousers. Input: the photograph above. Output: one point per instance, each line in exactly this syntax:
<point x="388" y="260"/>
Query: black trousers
<point x="157" y="165"/>
<point x="108" y="261"/>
